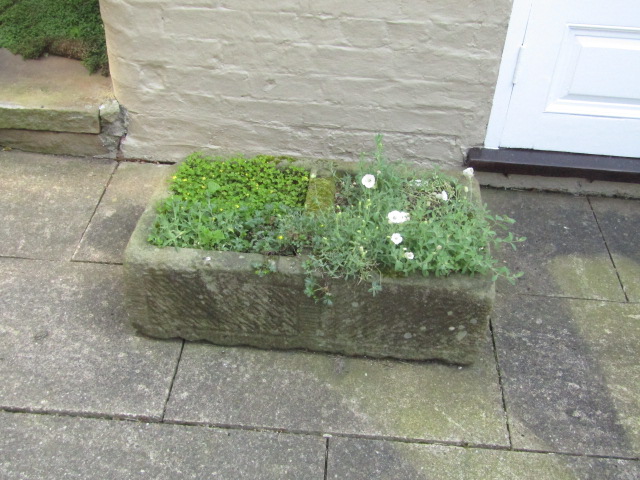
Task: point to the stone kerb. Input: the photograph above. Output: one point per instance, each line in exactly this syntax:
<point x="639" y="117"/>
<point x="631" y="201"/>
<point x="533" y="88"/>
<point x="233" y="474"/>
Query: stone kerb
<point x="71" y="121"/>
<point x="218" y="297"/>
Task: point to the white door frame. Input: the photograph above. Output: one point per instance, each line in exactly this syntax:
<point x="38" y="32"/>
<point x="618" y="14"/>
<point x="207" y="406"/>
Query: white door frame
<point x="504" y="87"/>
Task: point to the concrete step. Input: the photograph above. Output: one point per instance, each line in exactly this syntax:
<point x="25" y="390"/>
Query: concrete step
<point x="53" y="105"/>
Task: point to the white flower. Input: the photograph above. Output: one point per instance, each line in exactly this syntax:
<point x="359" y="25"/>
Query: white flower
<point x="396" y="238"/>
<point x="466" y="189"/>
<point x="468" y="172"/>
<point x="368" y="180"/>
<point x="397" y="217"/>
<point x="443" y="195"/>
<point x="408" y="255"/>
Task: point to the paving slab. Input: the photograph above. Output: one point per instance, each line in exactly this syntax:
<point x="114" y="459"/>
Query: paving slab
<point x="620" y="223"/>
<point x="564" y="255"/>
<point x="358" y="459"/>
<point x="126" y="197"/>
<point x="66" y="344"/>
<point x="298" y="391"/>
<point x="46" y="202"/>
<point x="51" y="447"/>
<point x="570" y="374"/>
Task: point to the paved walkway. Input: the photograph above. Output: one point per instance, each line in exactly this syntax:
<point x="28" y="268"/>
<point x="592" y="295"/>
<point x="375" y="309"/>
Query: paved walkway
<point x="556" y="394"/>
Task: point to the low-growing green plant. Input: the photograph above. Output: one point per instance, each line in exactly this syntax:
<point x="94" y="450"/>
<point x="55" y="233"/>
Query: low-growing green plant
<point x="70" y="28"/>
<point x="229" y="205"/>
<point x="388" y="220"/>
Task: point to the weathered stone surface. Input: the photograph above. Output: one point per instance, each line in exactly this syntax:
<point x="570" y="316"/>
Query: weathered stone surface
<point x="42" y="446"/>
<point x="124" y="201"/>
<point x="565" y="253"/>
<point x="52" y="105"/>
<point x="110" y="111"/>
<point x="113" y="123"/>
<point x="216" y="296"/>
<point x="50" y="83"/>
<point x="357" y="459"/>
<point x="620" y="223"/>
<point x="46" y="202"/>
<point x="58" y="143"/>
<point x="309" y="392"/>
<point x="66" y="345"/>
<point x="570" y="374"/>
<point x="73" y="121"/>
<point x="52" y="94"/>
<point x="579" y="186"/>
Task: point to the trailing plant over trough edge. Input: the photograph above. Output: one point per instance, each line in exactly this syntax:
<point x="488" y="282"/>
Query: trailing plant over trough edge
<point x="388" y="220"/>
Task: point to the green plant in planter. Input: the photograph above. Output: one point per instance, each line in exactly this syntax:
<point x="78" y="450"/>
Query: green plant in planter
<point x="230" y="205"/>
<point x="386" y="220"/>
<point x="416" y="239"/>
<point x="391" y="220"/>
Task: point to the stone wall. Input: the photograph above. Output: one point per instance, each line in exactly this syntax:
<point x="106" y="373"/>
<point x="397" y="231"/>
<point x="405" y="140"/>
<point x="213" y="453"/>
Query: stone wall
<point x="305" y="78"/>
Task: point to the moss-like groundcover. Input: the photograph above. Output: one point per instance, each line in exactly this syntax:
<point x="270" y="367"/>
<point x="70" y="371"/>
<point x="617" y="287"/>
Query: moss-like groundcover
<point x="388" y="220"/>
<point x="235" y="204"/>
<point x="69" y="28"/>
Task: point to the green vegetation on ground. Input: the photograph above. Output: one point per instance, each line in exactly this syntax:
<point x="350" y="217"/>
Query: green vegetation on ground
<point x="69" y="28"/>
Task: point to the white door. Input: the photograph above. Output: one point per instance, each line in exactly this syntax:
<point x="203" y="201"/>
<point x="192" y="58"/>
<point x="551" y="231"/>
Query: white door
<point x="571" y="80"/>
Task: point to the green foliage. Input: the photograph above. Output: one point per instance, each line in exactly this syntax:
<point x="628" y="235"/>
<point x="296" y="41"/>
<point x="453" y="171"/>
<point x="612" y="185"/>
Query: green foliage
<point x="253" y="182"/>
<point x="388" y="220"/>
<point x="70" y="27"/>
<point x="230" y="205"/>
<point x="405" y="223"/>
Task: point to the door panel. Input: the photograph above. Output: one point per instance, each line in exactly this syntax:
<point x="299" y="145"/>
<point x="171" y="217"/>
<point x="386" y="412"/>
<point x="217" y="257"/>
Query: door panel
<point x="598" y="73"/>
<point x="577" y="87"/>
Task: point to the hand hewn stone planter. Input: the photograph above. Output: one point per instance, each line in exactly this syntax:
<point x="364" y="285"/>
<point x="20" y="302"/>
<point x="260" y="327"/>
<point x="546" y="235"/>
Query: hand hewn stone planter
<point x="217" y="296"/>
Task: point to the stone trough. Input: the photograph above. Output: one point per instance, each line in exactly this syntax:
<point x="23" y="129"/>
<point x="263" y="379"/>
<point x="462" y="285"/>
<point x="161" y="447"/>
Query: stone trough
<point x="218" y="297"/>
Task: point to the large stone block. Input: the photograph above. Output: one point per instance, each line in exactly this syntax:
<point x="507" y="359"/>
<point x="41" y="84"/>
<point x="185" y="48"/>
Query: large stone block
<point x="217" y="296"/>
<point x="60" y="143"/>
<point x="76" y="121"/>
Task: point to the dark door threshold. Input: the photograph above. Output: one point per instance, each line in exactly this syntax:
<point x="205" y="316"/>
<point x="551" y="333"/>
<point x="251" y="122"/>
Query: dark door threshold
<point x="554" y="164"/>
